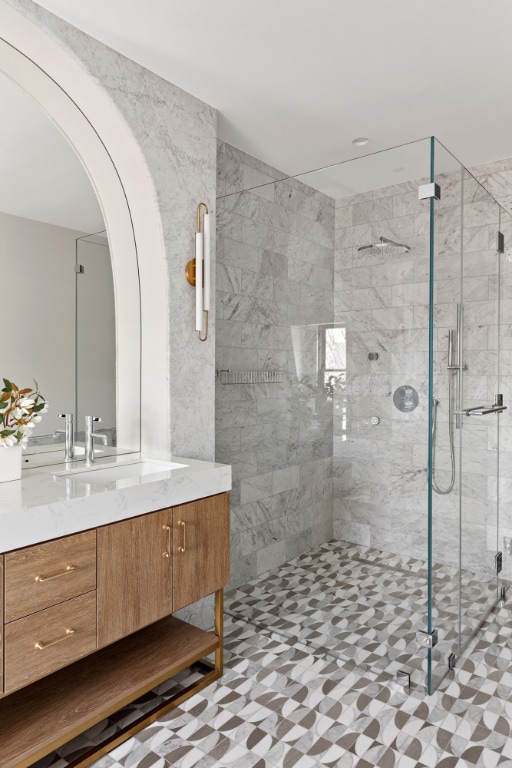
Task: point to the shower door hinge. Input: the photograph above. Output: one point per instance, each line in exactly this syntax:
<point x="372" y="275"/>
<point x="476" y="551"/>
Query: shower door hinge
<point x="427" y="191"/>
<point x="427" y="639"/>
<point x="79" y="269"/>
<point x="500" y="242"/>
<point x="499" y="562"/>
<point x="452" y="660"/>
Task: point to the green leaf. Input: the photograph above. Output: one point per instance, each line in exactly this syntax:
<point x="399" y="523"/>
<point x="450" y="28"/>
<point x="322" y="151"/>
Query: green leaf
<point x="7" y="385"/>
<point x="37" y="408"/>
<point x="3" y="405"/>
<point x="7" y="432"/>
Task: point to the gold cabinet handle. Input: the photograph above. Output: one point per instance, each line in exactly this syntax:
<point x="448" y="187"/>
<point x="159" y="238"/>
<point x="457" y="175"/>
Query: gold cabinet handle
<point x="41" y="646"/>
<point x="42" y="579"/>
<point x="182" y="548"/>
<point x="167" y="552"/>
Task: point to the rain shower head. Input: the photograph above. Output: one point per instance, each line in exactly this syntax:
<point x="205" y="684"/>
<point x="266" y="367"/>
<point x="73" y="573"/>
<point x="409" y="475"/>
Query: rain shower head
<point x="384" y="246"/>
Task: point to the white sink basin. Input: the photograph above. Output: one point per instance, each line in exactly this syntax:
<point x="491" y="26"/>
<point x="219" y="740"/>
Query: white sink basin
<point x="105" y="474"/>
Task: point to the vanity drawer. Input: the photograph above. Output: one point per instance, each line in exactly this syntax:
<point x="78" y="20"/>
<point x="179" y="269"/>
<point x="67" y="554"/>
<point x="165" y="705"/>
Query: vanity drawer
<point x="43" y="575"/>
<point x="39" y="644"/>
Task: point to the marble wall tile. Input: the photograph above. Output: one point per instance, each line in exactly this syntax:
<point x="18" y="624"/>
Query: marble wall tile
<point x="278" y="252"/>
<point x="393" y="274"/>
<point x="229" y="278"/>
<point x="253" y="284"/>
<point x="289" y="244"/>
<point x="271" y="556"/>
<point x="368" y="503"/>
<point x="274" y="264"/>
<point x="239" y="254"/>
<point x="372" y="210"/>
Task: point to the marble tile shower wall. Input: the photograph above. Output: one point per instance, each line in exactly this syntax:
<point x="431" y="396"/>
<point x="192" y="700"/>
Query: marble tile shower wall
<point x="379" y="486"/>
<point x="380" y="471"/>
<point x="275" y="256"/>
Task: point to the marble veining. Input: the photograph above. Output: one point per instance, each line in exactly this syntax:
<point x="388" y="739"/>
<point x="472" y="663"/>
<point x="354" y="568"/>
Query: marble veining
<point x="42" y="506"/>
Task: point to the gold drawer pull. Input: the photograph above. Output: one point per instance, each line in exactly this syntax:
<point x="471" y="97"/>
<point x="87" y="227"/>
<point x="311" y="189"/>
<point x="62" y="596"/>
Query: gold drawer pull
<point x="167" y="552"/>
<point x="41" y="646"/>
<point x="182" y="549"/>
<point x="41" y="579"/>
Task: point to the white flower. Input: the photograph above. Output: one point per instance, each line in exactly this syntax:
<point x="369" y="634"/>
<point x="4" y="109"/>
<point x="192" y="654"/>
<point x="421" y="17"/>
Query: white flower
<point x="26" y="402"/>
<point x="7" y="441"/>
<point x="21" y="411"/>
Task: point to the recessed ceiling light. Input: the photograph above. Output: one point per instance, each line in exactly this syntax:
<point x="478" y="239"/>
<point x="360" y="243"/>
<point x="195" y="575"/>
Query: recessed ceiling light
<point x="360" y="141"/>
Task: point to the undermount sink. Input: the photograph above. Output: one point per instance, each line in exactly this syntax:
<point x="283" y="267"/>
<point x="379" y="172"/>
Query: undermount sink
<point x="110" y="473"/>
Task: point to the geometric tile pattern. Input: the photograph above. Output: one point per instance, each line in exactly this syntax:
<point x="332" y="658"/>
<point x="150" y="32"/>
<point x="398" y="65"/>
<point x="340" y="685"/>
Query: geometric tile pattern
<point x="364" y="605"/>
<point x="280" y="706"/>
<point x="285" y="704"/>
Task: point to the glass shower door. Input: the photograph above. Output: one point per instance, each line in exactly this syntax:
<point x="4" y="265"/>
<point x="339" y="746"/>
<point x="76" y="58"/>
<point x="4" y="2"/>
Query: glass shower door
<point x="465" y="414"/>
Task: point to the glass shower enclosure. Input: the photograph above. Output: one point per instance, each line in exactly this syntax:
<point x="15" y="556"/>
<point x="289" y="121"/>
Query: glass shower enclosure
<point x="392" y="391"/>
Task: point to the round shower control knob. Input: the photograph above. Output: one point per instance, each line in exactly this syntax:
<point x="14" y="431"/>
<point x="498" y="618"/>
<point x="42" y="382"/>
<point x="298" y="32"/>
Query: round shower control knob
<point x="374" y="420"/>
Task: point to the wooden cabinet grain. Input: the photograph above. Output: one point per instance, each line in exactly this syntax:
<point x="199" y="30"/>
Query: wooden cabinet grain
<point x="147" y="567"/>
<point x="48" y="640"/>
<point x="200" y="549"/>
<point x="43" y="575"/>
<point x="134" y="574"/>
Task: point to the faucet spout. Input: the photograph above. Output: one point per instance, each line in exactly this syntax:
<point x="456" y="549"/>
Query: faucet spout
<point x="69" y="433"/>
<point x="89" y="439"/>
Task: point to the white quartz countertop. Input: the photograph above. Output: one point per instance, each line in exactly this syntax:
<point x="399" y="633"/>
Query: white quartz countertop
<point x="46" y="504"/>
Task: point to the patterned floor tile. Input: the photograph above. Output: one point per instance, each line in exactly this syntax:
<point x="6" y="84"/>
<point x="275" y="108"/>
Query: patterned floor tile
<point x="286" y="704"/>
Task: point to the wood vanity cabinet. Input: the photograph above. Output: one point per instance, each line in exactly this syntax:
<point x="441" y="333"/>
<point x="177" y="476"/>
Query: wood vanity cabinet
<point x="200" y="549"/>
<point x="50" y="607"/>
<point x="89" y="616"/>
<point x="134" y="574"/>
<point x="153" y="565"/>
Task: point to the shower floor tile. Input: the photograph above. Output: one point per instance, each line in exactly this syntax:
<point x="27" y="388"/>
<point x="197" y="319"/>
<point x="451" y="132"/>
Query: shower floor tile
<point x="360" y="604"/>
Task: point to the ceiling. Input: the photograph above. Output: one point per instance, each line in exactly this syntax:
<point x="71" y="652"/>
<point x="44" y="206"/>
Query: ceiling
<point x="296" y="80"/>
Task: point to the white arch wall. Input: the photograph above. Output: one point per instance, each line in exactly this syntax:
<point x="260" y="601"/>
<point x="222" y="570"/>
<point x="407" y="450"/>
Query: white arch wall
<point x="162" y="142"/>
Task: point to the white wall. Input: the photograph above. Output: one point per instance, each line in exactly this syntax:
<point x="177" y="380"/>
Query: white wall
<point x="38" y="311"/>
<point x="96" y="336"/>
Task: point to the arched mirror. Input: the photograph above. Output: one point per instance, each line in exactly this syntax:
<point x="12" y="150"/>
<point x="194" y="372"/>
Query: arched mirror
<point x="58" y="297"/>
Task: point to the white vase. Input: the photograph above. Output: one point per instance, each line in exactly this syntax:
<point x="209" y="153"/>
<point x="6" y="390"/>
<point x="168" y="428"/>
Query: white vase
<point x="10" y="463"/>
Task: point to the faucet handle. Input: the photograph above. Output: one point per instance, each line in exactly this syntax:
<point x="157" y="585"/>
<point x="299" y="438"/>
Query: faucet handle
<point x="68" y="416"/>
<point x="92" y="418"/>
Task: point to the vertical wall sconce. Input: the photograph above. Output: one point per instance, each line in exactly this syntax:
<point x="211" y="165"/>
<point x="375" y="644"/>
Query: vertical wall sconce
<point x="197" y="272"/>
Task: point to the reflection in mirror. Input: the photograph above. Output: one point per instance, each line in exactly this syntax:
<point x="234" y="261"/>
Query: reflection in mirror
<point x="59" y="326"/>
<point x="95" y="337"/>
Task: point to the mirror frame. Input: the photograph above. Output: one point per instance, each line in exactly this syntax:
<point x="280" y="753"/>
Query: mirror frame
<point x="87" y="116"/>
